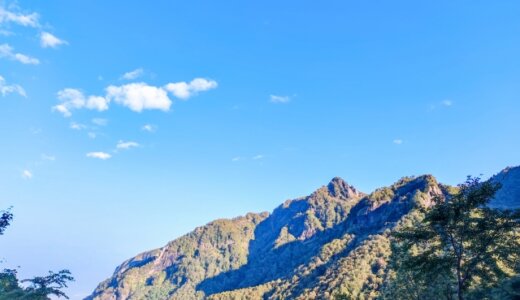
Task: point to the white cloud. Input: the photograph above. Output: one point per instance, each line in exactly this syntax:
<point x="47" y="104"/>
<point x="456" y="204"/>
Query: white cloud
<point x="237" y="158"/>
<point x="98" y="103"/>
<point x="26" y="174"/>
<point x="71" y="99"/>
<point x="139" y="96"/>
<point x="74" y="99"/>
<point x="133" y="74"/>
<point x="126" y="145"/>
<point x="398" y="141"/>
<point x="8" y="52"/>
<point x="257" y="157"/>
<point x="92" y="135"/>
<point x="48" y="40"/>
<point x="12" y="88"/>
<point x="447" y="103"/>
<point x="184" y="90"/>
<point x="100" y="122"/>
<point x="99" y="155"/>
<point x="48" y="157"/>
<point x="149" y="128"/>
<point x="77" y="126"/>
<point x="27" y="20"/>
<point x="280" y="99"/>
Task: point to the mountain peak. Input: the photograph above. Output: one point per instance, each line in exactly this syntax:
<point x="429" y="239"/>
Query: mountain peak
<point x="341" y="189"/>
<point x="508" y="196"/>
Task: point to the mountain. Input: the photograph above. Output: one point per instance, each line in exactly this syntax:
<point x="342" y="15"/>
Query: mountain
<point x="509" y="195"/>
<point x="334" y="241"/>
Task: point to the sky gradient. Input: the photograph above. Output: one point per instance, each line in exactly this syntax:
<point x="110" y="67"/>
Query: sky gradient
<point x="126" y="126"/>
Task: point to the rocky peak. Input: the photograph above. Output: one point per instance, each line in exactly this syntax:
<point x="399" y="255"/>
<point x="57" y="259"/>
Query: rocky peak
<point x="508" y="196"/>
<point x="339" y="188"/>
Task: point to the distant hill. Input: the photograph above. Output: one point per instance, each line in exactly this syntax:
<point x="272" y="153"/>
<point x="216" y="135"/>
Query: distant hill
<point x="334" y="241"/>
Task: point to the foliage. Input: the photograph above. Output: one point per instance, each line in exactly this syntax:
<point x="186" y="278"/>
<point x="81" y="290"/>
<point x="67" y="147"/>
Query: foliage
<point x="37" y="288"/>
<point x="336" y="243"/>
<point x="5" y="219"/>
<point x="460" y="244"/>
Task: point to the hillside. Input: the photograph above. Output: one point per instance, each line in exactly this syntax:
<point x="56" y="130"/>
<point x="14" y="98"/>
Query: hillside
<point x="334" y="241"/>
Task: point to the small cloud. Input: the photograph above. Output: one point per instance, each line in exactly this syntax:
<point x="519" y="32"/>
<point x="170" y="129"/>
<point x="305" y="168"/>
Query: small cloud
<point x="126" y="145"/>
<point x="8" y="52"/>
<point x="77" y="126"/>
<point x="48" y="157"/>
<point x="6" y="89"/>
<point x="398" y="141"/>
<point x="92" y="135"/>
<point x="443" y="103"/>
<point x="48" y="40"/>
<point x="72" y="99"/>
<point x="184" y="90"/>
<point x="35" y="131"/>
<point x="27" y="20"/>
<point x="4" y="32"/>
<point x="99" y="155"/>
<point x="447" y="103"/>
<point x="100" y="122"/>
<point x="133" y="74"/>
<point x="237" y="158"/>
<point x="280" y="99"/>
<point x="257" y="157"/>
<point x="26" y="174"/>
<point x="149" y="128"/>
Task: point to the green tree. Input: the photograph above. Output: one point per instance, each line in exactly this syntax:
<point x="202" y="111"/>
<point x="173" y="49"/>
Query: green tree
<point x="37" y="288"/>
<point x="5" y="220"/>
<point x="463" y="240"/>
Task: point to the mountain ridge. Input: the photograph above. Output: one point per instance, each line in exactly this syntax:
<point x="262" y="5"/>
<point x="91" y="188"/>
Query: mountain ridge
<point x="307" y="247"/>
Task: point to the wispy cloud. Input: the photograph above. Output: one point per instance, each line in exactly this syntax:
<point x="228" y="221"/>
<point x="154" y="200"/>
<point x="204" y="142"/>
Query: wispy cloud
<point x="133" y="74"/>
<point x="184" y="90"/>
<point x="6" y="89"/>
<point x="48" y="157"/>
<point x="8" y="52"/>
<point x="257" y="157"/>
<point x="444" y="103"/>
<point x="149" y="128"/>
<point x="26" y="174"/>
<point x="77" y="126"/>
<point x="99" y="155"/>
<point x="447" y="103"/>
<point x="279" y="99"/>
<point x="398" y="141"/>
<point x="48" y="40"/>
<point x="27" y="20"/>
<point x="122" y="145"/>
<point x="100" y="121"/>
<point x="237" y="158"/>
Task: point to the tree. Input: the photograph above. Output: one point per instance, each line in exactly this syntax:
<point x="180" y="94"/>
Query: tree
<point x="40" y="287"/>
<point x="5" y="219"/>
<point x="464" y="240"/>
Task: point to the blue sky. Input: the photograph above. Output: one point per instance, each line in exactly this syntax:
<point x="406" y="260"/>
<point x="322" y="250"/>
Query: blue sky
<point x="127" y="125"/>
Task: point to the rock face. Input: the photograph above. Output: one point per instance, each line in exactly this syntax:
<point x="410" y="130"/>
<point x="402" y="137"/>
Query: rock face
<point x="332" y="241"/>
<point x="509" y="195"/>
